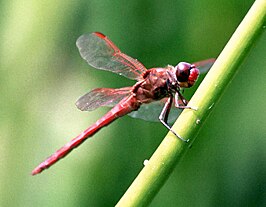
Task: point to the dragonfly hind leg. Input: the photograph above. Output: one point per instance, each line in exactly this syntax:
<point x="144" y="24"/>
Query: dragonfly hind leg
<point x="164" y="117"/>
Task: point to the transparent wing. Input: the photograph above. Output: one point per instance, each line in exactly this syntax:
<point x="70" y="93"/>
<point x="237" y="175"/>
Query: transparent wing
<point x="204" y="65"/>
<point x="152" y="111"/>
<point x="102" y="97"/>
<point x="101" y="53"/>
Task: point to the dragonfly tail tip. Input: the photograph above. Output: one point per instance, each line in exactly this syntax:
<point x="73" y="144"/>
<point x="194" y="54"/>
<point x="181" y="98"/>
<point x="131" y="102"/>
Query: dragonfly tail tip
<point x="36" y="171"/>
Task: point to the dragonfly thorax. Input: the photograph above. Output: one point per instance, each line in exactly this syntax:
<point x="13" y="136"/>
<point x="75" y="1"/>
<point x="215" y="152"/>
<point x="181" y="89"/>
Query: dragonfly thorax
<point x="158" y="83"/>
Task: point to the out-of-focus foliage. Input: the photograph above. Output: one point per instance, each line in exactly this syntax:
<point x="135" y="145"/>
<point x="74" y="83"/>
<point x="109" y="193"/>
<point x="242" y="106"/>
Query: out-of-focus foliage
<point x="42" y="74"/>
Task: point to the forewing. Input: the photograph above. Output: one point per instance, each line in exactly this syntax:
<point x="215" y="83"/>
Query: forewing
<point x="102" y="97"/>
<point x="204" y="65"/>
<point x="101" y="53"/>
<point x="152" y="111"/>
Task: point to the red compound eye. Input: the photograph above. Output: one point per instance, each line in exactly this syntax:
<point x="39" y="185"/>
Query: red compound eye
<point x="186" y="74"/>
<point x="194" y="74"/>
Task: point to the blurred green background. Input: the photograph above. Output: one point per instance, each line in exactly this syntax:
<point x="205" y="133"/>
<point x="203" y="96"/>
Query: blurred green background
<point x="42" y="75"/>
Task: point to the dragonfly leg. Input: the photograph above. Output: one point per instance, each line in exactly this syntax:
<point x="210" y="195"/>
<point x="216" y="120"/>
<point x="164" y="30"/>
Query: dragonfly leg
<point x="164" y="117"/>
<point x="178" y="96"/>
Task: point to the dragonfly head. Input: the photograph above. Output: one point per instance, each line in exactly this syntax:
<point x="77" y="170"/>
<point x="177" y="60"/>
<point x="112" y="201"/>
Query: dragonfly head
<point x="186" y="74"/>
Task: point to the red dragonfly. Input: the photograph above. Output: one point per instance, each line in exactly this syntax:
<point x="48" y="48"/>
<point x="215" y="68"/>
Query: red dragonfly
<point x="156" y="90"/>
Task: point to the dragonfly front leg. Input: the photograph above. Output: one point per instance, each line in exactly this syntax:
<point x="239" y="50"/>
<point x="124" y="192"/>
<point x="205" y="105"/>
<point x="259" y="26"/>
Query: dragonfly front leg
<point x="179" y="96"/>
<point x="164" y="117"/>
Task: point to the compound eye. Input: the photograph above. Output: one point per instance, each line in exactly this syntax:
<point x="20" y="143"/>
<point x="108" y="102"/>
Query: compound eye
<point x="183" y="71"/>
<point x="194" y="74"/>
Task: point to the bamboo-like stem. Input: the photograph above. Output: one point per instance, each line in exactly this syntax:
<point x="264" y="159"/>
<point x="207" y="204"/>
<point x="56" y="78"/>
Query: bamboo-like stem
<point x="157" y="170"/>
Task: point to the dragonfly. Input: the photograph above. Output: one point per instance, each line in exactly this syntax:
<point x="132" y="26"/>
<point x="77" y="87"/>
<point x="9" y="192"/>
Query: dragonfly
<point x="156" y="92"/>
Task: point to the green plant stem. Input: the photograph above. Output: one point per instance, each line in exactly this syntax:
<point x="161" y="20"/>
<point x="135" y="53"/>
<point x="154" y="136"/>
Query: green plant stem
<point x="157" y="170"/>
